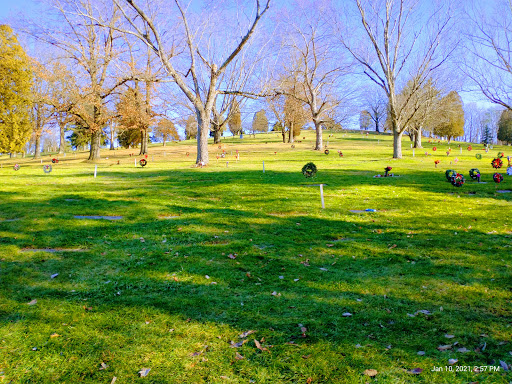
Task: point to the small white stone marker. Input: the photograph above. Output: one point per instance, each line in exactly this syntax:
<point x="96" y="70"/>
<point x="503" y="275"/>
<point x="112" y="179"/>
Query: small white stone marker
<point x="413" y="152"/>
<point x="135" y="163"/>
<point x="322" y="195"/>
<point x="263" y="166"/>
<point x="95" y="170"/>
<point x="227" y="164"/>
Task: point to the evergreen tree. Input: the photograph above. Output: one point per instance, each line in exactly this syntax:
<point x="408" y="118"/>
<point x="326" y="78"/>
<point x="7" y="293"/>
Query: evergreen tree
<point x="235" y="119"/>
<point x="15" y="88"/>
<point x="260" y="122"/>
<point x="452" y="117"/>
<point x="487" y="135"/>
<point x="505" y="126"/>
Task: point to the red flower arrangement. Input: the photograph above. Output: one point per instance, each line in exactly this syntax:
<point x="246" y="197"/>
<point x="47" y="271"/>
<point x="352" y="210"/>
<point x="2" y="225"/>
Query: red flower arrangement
<point x="436" y="162"/>
<point x="434" y="149"/>
<point x="470" y="148"/>
<point x="497" y="177"/>
<point x="54" y="161"/>
<point x="497" y="163"/>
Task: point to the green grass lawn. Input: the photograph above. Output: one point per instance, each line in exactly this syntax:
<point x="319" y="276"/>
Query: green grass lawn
<point x="227" y="274"/>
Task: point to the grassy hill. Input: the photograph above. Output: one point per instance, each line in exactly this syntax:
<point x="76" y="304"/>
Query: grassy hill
<point x="228" y="274"/>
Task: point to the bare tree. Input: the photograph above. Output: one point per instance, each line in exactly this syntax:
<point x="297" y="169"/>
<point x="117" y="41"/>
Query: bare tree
<point x="198" y="71"/>
<point x="376" y="105"/>
<point x="92" y="51"/>
<point x="316" y="68"/>
<point x="487" y="58"/>
<point x="403" y="41"/>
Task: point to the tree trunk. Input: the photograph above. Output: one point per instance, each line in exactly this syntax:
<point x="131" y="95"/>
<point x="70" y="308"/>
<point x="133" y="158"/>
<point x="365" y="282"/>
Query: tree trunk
<point x="377" y="124"/>
<point x="37" y="147"/>
<point x="112" y="147"/>
<point x="94" y="152"/>
<point x="62" y="139"/>
<point x="283" y="133"/>
<point x="319" y="140"/>
<point x="397" y="144"/>
<point x="203" y="126"/>
<point x="164" y="138"/>
<point x="417" y="139"/>
<point x="216" y="135"/>
<point x="290" y="134"/>
<point x="143" y="142"/>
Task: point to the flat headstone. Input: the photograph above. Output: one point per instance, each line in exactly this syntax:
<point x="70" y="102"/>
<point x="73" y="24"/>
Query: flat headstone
<point x="71" y="200"/>
<point x="53" y="250"/>
<point x="504" y="191"/>
<point x="362" y="210"/>
<point x="9" y="220"/>
<point x="100" y="217"/>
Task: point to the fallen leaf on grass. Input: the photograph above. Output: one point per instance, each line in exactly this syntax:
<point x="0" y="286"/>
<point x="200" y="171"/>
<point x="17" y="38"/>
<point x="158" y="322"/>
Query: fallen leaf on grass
<point x="258" y="345"/>
<point x="329" y="245"/>
<point x="245" y="334"/>
<point x="393" y="246"/>
<point x="370" y="372"/>
<point x="238" y="356"/>
<point x="444" y="347"/>
<point x="415" y="371"/>
<point x="87" y="308"/>
<point x="449" y="336"/>
<point x="195" y="354"/>
<point x="54" y="335"/>
<point x="305" y="357"/>
<point x="346" y="314"/>
<point x="323" y="269"/>
<point x="231" y="256"/>
<point x="452" y="361"/>
<point x="224" y="377"/>
<point x="463" y="350"/>
<point x="504" y="365"/>
<point x="33" y="302"/>
<point x="54" y="276"/>
<point x="305" y="263"/>
<point x="276" y="294"/>
<point x="144" y="372"/>
<point x="103" y="366"/>
<point x="237" y="345"/>
<point x="113" y="380"/>
<point x="309" y="380"/>
<point x="424" y="311"/>
<point x="421" y="353"/>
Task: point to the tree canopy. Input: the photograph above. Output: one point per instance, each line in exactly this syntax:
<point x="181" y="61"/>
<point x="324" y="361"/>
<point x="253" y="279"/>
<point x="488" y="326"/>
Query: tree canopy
<point x="15" y="93"/>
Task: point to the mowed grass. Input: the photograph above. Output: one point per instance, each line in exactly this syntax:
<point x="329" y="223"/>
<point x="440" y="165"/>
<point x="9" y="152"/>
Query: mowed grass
<point x="227" y="274"/>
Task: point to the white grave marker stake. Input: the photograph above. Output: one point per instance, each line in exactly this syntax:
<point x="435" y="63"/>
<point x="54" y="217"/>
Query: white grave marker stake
<point x="152" y="157"/>
<point x="413" y="152"/>
<point x="461" y="150"/>
<point x="135" y="163"/>
<point x="227" y="164"/>
<point x="322" y="195"/>
<point x="263" y="166"/>
<point x="95" y="169"/>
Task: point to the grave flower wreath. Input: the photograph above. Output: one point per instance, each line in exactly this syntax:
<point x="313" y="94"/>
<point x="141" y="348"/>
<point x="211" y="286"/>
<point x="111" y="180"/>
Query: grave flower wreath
<point x="450" y="173"/>
<point x="54" y="161"/>
<point x="309" y="170"/>
<point x="497" y="177"/>
<point x="478" y="156"/>
<point x="47" y="168"/>
<point x="497" y="163"/>
<point x="474" y="173"/>
<point x="457" y="180"/>
<point x="16" y="167"/>
<point x="143" y="162"/>
<point x="500" y="155"/>
<point x="326" y="151"/>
